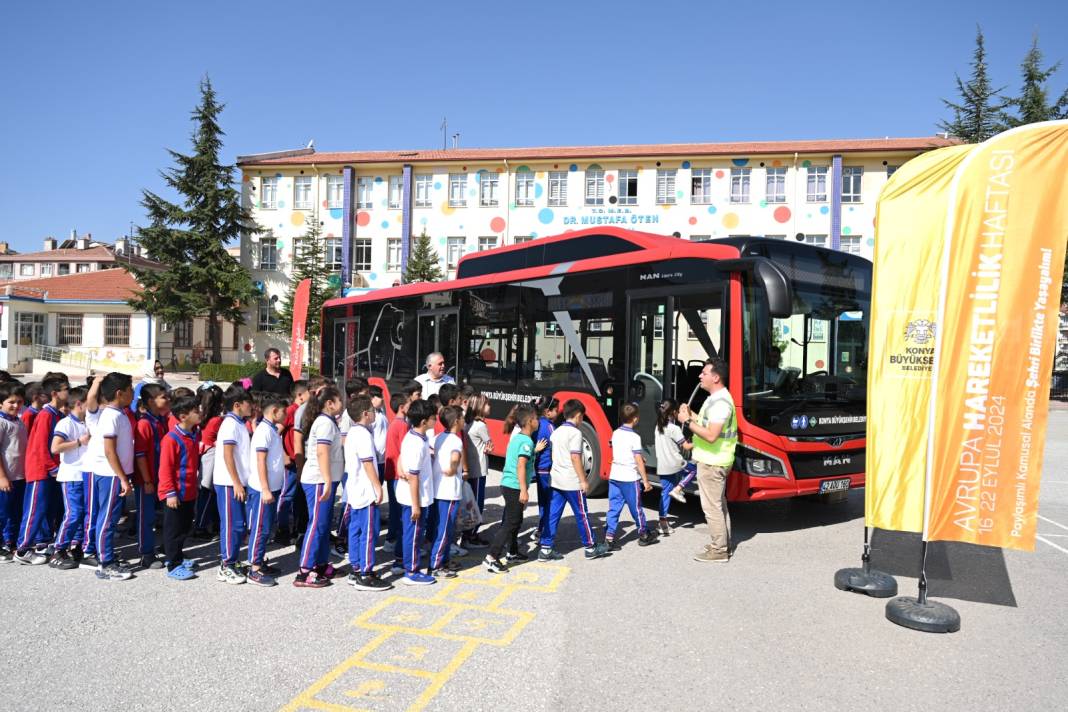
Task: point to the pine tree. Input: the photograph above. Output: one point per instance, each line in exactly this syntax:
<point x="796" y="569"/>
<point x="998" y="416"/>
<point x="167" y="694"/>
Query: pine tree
<point x="190" y="237"/>
<point x="978" y="115"/>
<point x="1032" y="105"/>
<point x="309" y="253"/>
<point x="424" y="265"/>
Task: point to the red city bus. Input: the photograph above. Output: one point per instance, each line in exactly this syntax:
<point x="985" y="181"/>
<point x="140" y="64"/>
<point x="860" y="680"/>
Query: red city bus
<point x="610" y="316"/>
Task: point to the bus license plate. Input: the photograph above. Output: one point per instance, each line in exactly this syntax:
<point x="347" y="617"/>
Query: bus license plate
<point x="834" y="485"/>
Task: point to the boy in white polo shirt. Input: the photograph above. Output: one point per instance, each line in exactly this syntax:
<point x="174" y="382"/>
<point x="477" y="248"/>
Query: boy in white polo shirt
<point x="568" y="481"/>
<point x="111" y="460"/>
<point x="448" y="487"/>
<point x="70" y="441"/>
<point x="231" y="473"/>
<point x="267" y="472"/>
<point x="627" y="480"/>
<point x="416" y="494"/>
<point x="363" y="494"/>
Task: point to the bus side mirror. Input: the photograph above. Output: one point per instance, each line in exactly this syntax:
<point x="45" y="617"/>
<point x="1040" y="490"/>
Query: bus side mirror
<point x="777" y="287"/>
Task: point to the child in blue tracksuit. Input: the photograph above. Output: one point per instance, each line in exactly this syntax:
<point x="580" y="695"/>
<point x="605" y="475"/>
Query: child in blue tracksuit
<point x="627" y="479"/>
<point x="363" y="496"/>
<point x="319" y="479"/>
<point x="13" y="438"/>
<point x="415" y="490"/>
<point x="672" y="467"/>
<point x="70" y="442"/>
<point x="548" y="408"/>
<point x="448" y="472"/>
<point x="267" y="468"/>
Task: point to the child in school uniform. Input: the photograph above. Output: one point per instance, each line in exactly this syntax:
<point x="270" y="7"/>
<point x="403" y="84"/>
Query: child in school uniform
<point x="518" y="473"/>
<point x="479" y="444"/>
<point x="363" y="495"/>
<point x="93" y="409"/>
<point x="354" y="387"/>
<point x="179" y="485"/>
<point x="206" y="517"/>
<point x="415" y="491"/>
<point x="70" y="441"/>
<point x="379" y="428"/>
<point x="569" y="486"/>
<point x="398" y="428"/>
<point x="320" y="477"/>
<point x="230" y="476"/>
<point x="13" y="439"/>
<point x="111" y="461"/>
<point x="672" y="467"/>
<point x="34" y="400"/>
<point x="548" y="409"/>
<point x="267" y="476"/>
<point x="42" y="466"/>
<point x="291" y="482"/>
<point x="149" y="432"/>
<point x="447" y="466"/>
<point x="627" y="480"/>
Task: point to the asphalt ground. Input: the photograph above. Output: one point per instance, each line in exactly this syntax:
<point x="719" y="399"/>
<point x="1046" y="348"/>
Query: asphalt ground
<point x="645" y="628"/>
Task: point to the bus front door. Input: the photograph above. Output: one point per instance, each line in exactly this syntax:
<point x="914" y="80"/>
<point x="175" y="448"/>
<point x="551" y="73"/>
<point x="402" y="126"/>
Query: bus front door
<point x="649" y="364"/>
<point x="439" y="330"/>
<point x="346" y="336"/>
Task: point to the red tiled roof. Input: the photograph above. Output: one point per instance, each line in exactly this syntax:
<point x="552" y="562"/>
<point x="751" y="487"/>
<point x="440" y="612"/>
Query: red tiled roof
<point x="737" y="149"/>
<point x="102" y="285"/>
<point x="90" y="254"/>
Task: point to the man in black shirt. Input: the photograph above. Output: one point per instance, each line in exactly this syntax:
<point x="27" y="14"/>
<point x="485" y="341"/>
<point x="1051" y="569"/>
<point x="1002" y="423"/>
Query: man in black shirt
<point x="274" y="378"/>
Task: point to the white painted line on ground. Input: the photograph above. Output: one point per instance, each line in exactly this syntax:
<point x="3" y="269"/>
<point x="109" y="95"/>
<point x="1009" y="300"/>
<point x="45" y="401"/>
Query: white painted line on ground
<point x="1055" y="482"/>
<point x="1065" y="536"/>
<point x="1058" y="548"/>
<point x="1056" y="524"/>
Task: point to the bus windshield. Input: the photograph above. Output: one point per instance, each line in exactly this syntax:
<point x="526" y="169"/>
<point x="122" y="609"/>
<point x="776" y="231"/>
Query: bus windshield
<point x="805" y="376"/>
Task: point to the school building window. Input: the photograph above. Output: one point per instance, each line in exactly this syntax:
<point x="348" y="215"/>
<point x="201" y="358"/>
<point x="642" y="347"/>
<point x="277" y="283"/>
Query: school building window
<point x="268" y="254"/>
<point x="116" y="329"/>
<point x="850" y="244"/>
<point x="269" y="193"/>
<point x="628" y="187"/>
<point x="82" y="267"/>
<point x="700" y="238"/>
<point x="265" y="318"/>
<point x="487" y="189"/>
<point x="393" y="254"/>
<point x="740" y="185"/>
<point x="183" y="334"/>
<point x="64" y="268"/>
<point x="817" y="240"/>
<point x="5" y="270"/>
<point x="594" y="187"/>
<point x="524" y="189"/>
<point x="361" y="254"/>
<point x="302" y="193"/>
<point x="522" y="239"/>
<point x="851" y="179"/>
<point x="816" y="184"/>
<point x="454" y="250"/>
<point x="29" y="328"/>
<point x="701" y="186"/>
<point x="335" y="191"/>
<point x="557" y="188"/>
<point x="891" y="170"/>
<point x="27" y="270"/>
<point x="776" y="185"/>
<point x="423" y="185"/>
<point x="487" y="243"/>
<point x="457" y="190"/>
<point x="364" y="186"/>
<point x="68" y="329"/>
<point x="332" y="257"/>
<point x="665" y="187"/>
<point x="396" y="191"/>
<point x="46" y="270"/>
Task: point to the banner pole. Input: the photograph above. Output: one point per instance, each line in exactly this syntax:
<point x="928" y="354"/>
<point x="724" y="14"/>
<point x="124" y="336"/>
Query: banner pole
<point x="871" y="582"/>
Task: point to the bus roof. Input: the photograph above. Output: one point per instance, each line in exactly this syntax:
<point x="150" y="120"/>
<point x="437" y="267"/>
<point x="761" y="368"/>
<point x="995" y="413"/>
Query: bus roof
<point x="577" y="251"/>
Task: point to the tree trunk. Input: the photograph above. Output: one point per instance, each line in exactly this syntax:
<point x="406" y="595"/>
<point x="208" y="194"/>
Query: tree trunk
<point x="213" y="336"/>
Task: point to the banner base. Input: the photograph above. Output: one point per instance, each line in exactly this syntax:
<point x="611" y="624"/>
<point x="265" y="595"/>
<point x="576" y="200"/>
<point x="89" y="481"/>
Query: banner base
<point x="876" y="584"/>
<point x="922" y="615"/>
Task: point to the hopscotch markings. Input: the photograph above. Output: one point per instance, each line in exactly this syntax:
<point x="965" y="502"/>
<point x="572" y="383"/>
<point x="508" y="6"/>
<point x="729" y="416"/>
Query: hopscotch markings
<point x="422" y="642"/>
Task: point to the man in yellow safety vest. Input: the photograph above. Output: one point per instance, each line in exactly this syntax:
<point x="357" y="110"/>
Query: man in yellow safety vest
<point x="715" y="434"/>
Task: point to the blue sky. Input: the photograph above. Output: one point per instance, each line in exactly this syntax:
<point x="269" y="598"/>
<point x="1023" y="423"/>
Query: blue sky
<point x="95" y="92"/>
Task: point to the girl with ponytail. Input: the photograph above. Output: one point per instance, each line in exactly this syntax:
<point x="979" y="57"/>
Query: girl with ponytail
<point x="319" y="479"/>
<point x="671" y="461"/>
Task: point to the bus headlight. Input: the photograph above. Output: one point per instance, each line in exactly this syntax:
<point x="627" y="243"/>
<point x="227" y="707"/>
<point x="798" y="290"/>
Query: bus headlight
<point x="755" y="463"/>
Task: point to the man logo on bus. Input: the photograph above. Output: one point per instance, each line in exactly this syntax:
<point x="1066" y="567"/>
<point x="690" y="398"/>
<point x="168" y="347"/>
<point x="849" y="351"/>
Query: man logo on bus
<point x="920" y="331"/>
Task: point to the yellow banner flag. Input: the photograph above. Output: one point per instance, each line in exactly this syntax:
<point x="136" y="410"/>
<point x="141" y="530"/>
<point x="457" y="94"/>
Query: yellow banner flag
<point x="909" y="229"/>
<point x="995" y="337"/>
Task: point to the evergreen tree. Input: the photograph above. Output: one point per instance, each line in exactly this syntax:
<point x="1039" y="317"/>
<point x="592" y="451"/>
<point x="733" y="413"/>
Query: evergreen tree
<point x="424" y="265"/>
<point x="309" y="253"/>
<point x="978" y="115"/>
<point x="190" y="236"/>
<point x="1033" y="105"/>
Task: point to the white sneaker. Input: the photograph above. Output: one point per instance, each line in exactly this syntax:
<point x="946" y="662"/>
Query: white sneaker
<point x="677" y="494"/>
<point x="457" y="551"/>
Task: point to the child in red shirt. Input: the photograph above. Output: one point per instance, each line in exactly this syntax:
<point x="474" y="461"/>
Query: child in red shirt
<point x="149" y="432"/>
<point x="179" y="484"/>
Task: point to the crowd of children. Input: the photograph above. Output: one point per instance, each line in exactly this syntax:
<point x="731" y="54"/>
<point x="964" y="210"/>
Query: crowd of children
<point x="257" y="469"/>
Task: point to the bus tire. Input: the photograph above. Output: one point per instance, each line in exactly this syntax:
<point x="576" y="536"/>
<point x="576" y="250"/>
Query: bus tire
<point x="591" y="456"/>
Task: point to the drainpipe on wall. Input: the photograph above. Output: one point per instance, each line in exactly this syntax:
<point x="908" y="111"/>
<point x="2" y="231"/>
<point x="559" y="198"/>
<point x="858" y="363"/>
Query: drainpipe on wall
<point x="836" y="202"/>
<point x="507" y="206"/>
<point x="406" y="216"/>
<point x="793" y="213"/>
<point x="347" y="225"/>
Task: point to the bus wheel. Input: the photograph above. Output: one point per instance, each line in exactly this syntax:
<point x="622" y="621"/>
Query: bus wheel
<point x="591" y="460"/>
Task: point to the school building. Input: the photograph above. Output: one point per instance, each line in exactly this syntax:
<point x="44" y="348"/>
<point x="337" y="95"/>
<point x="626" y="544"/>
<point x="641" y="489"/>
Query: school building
<point x="371" y="204"/>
